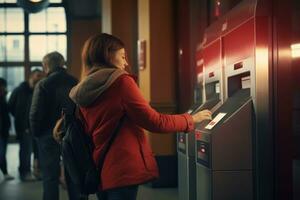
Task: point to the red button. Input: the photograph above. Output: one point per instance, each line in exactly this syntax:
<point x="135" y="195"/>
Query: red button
<point x="198" y="135"/>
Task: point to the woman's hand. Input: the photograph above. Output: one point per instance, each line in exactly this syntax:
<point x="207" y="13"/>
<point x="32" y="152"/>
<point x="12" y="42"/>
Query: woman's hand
<point x="202" y="115"/>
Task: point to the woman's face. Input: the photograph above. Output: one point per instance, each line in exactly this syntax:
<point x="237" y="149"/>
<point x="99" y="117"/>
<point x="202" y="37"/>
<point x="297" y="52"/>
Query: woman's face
<point x="119" y="59"/>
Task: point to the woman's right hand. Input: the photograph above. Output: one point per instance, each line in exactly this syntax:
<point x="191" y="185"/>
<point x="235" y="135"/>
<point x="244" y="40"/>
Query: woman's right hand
<point x="201" y="115"/>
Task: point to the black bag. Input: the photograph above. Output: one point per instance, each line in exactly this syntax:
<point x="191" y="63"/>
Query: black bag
<point x="77" y="149"/>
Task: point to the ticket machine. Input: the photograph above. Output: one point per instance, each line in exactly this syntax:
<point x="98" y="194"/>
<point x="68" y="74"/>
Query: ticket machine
<point x="185" y="143"/>
<point x="225" y="151"/>
<point x="224" y="145"/>
<point x="210" y="83"/>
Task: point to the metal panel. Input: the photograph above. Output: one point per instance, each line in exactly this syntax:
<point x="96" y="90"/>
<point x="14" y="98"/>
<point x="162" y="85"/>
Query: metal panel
<point x="239" y="43"/>
<point x="183" y="185"/>
<point x="228" y="151"/>
<point x="190" y="137"/>
<point x="232" y="141"/>
<point x="192" y="178"/>
<point x="232" y="185"/>
<point x="186" y="177"/>
<point x="204" y="185"/>
<point x="212" y="54"/>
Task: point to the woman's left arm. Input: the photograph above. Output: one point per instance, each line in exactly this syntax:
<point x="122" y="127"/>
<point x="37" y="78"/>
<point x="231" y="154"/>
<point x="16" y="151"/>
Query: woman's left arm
<point x="139" y="111"/>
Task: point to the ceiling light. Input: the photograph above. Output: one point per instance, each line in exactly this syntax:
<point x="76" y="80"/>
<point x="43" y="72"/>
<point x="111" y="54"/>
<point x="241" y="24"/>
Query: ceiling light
<point x="33" y="6"/>
<point x="35" y="1"/>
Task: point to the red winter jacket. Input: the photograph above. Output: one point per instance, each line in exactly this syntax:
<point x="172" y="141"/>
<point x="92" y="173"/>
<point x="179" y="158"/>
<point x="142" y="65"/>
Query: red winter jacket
<point x="130" y="160"/>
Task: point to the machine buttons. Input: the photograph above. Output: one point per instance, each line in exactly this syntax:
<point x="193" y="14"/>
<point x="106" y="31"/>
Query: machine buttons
<point x="203" y="153"/>
<point x="198" y="135"/>
<point x="181" y="142"/>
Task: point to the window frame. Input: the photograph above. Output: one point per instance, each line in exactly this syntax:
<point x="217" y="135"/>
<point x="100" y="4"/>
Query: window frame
<point x="27" y="64"/>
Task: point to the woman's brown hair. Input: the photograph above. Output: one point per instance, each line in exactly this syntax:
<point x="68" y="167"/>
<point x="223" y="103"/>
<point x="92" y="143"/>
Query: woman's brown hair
<point x="99" y="49"/>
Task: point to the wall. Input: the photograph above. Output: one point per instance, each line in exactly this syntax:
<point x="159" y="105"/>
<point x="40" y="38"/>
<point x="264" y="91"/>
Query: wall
<point x="120" y="19"/>
<point x="124" y="26"/>
<point x="81" y="30"/>
<point x="163" y="69"/>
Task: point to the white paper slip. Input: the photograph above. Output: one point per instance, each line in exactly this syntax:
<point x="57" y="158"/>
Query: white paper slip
<point x="215" y="120"/>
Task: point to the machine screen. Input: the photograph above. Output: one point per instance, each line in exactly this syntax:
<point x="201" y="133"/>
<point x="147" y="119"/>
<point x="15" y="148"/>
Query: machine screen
<point x="212" y="90"/>
<point x="198" y="94"/>
<point x="238" y="82"/>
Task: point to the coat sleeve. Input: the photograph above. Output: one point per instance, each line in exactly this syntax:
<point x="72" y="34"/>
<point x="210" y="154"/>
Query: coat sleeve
<point x="37" y="110"/>
<point x="139" y="111"/>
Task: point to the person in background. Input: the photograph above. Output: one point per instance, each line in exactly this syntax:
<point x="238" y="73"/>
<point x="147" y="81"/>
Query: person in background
<point x="19" y="105"/>
<point x="4" y="129"/>
<point x="49" y="97"/>
<point x="105" y="96"/>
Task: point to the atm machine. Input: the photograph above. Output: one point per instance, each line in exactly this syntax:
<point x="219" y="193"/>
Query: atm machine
<point x="225" y="146"/>
<point x="185" y="144"/>
<point x="210" y="83"/>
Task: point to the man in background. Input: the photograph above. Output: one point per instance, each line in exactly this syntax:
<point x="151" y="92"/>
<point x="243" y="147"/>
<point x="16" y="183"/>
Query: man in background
<point x="49" y="97"/>
<point x="19" y="106"/>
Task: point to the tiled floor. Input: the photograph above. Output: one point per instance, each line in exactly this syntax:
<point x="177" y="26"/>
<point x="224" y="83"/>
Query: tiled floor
<point x="17" y="190"/>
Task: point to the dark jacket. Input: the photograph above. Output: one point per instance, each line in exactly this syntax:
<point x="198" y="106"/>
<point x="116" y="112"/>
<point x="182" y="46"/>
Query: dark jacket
<point x="49" y="97"/>
<point x="104" y="97"/>
<point x="4" y="118"/>
<point x="19" y="106"/>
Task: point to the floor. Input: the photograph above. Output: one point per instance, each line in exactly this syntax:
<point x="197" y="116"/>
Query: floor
<point x="296" y="172"/>
<point x="17" y="190"/>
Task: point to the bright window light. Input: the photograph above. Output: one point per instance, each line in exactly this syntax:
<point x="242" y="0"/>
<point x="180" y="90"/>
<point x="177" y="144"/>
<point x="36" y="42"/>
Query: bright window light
<point x="295" y="50"/>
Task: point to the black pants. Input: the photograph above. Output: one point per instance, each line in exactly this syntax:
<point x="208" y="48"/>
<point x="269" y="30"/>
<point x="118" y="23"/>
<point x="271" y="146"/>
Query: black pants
<point x="35" y="149"/>
<point x="3" y="148"/>
<point x="25" y="141"/>
<point x="50" y="163"/>
<point x="123" y="193"/>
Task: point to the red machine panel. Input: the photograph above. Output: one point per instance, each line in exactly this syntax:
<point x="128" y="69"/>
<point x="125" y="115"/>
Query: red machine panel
<point x="212" y="54"/>
<point x="199" y="61"/>
<point x="239" y="43"/>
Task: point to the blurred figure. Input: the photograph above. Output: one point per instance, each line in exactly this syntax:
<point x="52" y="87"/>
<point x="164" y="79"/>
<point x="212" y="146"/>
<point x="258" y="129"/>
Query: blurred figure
<point x="49" y="97"/>
<point x="4" y="129"/>
<point x="19" y="106"/>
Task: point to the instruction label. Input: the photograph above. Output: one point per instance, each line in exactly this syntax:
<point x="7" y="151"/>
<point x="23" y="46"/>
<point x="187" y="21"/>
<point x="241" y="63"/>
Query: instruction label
<point x="215" y="121"/>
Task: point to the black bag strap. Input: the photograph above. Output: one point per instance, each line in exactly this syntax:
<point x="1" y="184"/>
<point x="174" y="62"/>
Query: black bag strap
<point x="110" y="141"/>
<point x="77" y="113"/>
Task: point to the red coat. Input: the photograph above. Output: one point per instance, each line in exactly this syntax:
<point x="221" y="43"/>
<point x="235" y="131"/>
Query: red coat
<point x="130" y="160"/>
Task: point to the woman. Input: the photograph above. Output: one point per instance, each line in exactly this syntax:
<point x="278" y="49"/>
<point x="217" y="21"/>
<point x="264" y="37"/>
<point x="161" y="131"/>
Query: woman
<point x="106" y="94"/>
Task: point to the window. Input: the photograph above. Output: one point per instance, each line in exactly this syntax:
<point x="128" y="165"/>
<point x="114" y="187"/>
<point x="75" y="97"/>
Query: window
<point x="25" y="38"/>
